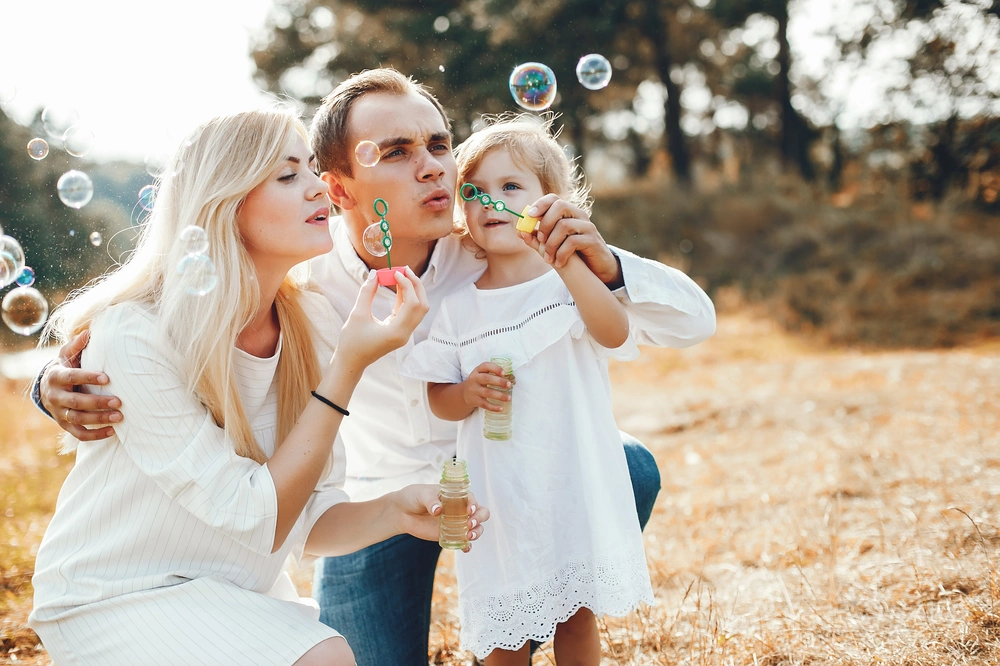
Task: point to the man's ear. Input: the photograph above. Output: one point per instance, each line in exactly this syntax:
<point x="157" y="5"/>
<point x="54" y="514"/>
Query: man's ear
<point x="339" y="196"/>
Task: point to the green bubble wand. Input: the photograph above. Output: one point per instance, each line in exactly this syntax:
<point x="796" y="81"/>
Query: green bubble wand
<point x="525" y="223"/>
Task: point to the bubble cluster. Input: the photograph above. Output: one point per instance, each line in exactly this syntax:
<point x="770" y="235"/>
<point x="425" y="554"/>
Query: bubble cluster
<point x="147" y="197"/>
<point x="26" y="277"/>
<point x="25" y="310"/>
<point x="593" y="71"/>
<point x="75" y="189"/>
<point x="11" y="260"/>
<point x="38" y="149"/>
<point x="533" y="86"/>
<point x="193" y="240"/>
<point x="96" y="239"/>
<point x="197" y="273"/>
<point x="58" y="119"/>
<point x="78" y="141"/>
<point x="367" y="153"/>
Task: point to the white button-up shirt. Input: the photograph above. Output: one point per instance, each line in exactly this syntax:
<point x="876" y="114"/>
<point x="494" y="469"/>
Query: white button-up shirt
<point x="392" y="438"/>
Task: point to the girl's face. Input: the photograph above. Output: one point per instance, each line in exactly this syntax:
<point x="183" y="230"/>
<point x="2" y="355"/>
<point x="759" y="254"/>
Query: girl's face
<point x="283" y="221"/>
<point x="500" y="177"/>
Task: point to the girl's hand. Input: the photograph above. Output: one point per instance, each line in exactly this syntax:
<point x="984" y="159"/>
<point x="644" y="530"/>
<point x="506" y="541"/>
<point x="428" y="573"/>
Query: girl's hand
<point x="565" y="230"/>
<point x="480" y="385"/>
<point x="364" y="339"/>
<point x="418" y="512"/>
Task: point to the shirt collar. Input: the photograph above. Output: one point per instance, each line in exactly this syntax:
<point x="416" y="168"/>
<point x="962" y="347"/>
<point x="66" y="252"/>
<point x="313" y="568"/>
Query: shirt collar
<point x="359" y="271"/>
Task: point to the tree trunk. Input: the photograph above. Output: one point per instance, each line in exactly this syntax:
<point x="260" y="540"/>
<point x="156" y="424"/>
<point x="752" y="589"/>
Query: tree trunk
<point x="657" y="28"/>
<point x="794" y="131"/>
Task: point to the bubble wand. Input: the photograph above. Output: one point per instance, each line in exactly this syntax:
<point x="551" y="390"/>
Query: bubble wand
<point x="525" y="223"/>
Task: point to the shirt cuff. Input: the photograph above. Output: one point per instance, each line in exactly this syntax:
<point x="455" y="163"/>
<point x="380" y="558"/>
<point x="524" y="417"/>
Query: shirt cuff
<point x="36" y="391"/>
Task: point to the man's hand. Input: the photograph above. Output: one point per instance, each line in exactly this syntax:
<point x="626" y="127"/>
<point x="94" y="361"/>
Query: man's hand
<point x="481" y="387"/>
<point x="419" y="511"/>
<point x="71" y="409"/>
<point x="564" y="229"/>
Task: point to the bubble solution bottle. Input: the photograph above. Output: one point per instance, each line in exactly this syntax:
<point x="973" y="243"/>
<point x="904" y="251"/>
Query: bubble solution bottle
<point x="499" y="425"/>
<point x="454" y="496"/>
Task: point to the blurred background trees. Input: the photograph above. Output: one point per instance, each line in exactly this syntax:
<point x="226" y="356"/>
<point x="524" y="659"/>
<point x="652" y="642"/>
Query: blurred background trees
<point x="729" y="141"/>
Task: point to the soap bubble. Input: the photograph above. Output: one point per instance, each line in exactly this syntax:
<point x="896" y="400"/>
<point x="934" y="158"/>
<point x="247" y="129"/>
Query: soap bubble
<point x="593" y="71"/>
<point x="26" y="277"/>
<point x="72" y="233"/>
<point x="156" y="163"/>
<point x="24" y="310"/>
<point x="367" y="153"/>
<point x="193" y="240"/>
<point x="57" y="119"/>
<point x="78" y="141"/>
<point x="373" y="240"/>
<point x="441" y="24"/>
<point x="11" y="260"/>
<point x="75" y="189"/>
<point x="147" y="197"/>
<point x="197" y="274"/>
<point x="533" y="86"/>
<point x="96" y="239"/>
<point x="440" y="68"/>
<point x="38" y="149"/>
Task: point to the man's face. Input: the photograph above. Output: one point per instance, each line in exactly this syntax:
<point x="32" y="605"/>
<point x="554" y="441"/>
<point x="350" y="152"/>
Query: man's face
<point x="416" y="171"/>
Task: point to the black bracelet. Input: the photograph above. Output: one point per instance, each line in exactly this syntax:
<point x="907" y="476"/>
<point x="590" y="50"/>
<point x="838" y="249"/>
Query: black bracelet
<point x="331" y="404"/>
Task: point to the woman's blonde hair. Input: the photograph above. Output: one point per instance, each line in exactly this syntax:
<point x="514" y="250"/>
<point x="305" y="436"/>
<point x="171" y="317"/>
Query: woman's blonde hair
<point x="532" y="144"/>
<point x="206" y="181"/>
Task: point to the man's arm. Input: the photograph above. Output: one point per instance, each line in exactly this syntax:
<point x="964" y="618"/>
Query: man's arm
<point x="665" y="307"/>
<point x="54" y="392"/>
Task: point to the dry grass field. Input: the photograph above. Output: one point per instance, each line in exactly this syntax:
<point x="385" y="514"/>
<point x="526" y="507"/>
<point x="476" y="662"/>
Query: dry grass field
<point x="819" y="505"/>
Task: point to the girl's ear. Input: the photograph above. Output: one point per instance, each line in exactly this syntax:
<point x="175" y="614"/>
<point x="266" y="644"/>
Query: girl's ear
<point x="339" y="196"/>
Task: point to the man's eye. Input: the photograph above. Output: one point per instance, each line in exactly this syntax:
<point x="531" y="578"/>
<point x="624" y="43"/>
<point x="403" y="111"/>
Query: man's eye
<point x="395" y="152"/>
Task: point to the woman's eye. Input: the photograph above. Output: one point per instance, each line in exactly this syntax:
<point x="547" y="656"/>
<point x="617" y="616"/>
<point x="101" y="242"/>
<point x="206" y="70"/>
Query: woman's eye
<point x="287" y="177"/>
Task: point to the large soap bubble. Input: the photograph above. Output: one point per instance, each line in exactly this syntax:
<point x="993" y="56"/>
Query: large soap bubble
<point x="367" y="153"/>
<point x="75" y="189"/>
<point x="25" y="310"/>
<point x="57" y="119"/>
<point x="373" y="240"/>
<point x="38" y="149"/>
<point x="193" y="240"/>
<point x="78" y="141"/>
<point x="197" y="274"/>
<point x="593" y="71"/>
<point x="147" y="197"/>
<point x="533" y="86"/>
<point x="11" y="260"/>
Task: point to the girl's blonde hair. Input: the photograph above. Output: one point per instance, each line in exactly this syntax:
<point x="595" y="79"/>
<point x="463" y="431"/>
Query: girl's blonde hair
<point x="532" y="144"/>
<point x="206" y="181"/>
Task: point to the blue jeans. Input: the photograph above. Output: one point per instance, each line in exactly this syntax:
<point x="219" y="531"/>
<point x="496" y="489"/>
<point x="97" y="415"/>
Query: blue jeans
<point x="379" y="598"/>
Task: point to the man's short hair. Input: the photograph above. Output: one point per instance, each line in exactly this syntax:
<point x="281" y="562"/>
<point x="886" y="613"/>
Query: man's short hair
<point x="329" y="132"/>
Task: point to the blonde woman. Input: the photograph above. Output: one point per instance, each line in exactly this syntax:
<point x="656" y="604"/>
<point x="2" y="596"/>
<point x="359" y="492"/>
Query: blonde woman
<point x="168" y="538"/>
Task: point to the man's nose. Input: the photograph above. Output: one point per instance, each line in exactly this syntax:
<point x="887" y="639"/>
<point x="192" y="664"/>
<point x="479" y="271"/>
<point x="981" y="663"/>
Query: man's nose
<point x="430" y="168"/>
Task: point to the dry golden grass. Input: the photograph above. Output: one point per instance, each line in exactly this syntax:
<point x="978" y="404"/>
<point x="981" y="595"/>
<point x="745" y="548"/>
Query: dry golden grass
<point x="819" y="505"/>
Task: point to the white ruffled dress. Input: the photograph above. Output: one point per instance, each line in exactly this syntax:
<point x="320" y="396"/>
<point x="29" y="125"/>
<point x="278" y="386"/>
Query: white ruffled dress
<point x="564" y="531"/>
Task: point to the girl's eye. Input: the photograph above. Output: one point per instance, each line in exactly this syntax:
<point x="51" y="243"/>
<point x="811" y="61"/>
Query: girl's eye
<point x="511" y="186"/>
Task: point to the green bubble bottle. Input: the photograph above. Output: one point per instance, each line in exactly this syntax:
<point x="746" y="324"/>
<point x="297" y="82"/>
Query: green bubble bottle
<point x="454" y="496"/>
<point x="500" y="425"/>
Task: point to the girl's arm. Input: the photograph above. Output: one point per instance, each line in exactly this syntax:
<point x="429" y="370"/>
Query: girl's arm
<point x="601" y="311"/>
<point x="454" y="402"/>
<point x="350" y="526"/>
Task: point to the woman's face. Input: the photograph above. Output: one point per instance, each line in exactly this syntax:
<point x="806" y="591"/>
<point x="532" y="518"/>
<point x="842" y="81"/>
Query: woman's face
<point x="284" y="220"/>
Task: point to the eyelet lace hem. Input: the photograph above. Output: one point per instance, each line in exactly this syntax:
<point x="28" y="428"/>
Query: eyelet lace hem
<point x="613" y="585"/>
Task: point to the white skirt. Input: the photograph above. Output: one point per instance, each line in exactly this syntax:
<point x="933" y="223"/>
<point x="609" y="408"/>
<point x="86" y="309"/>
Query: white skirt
<point x="203" y="621"/>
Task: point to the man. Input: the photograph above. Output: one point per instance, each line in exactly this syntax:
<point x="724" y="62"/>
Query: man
<point x="380" y="598"/>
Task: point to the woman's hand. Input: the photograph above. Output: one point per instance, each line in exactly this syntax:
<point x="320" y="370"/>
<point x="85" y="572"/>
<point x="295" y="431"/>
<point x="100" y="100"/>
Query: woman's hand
<point x="418" y="510"/>
<point x="364" y="339"/>
<point x="480" y="387"/>
<point x="72" y="409"/>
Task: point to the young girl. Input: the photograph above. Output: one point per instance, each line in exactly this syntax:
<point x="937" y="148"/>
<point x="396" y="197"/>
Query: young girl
<point x="565" y="543"/>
